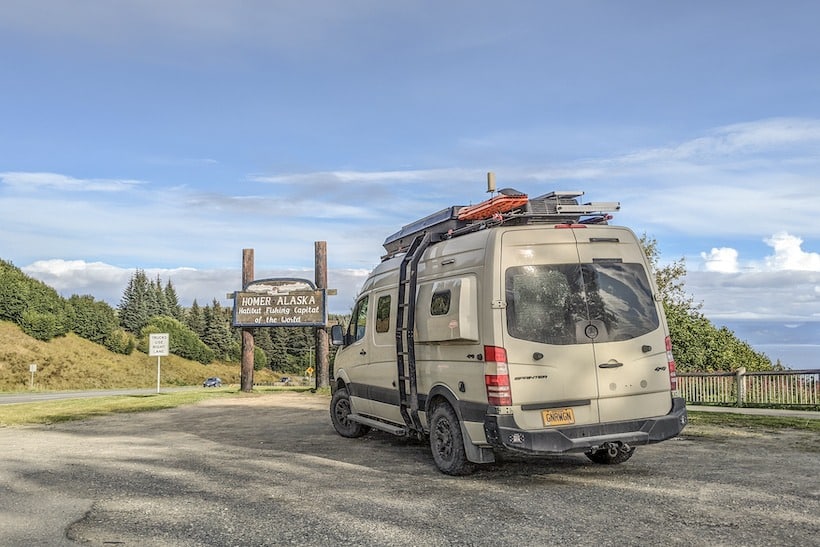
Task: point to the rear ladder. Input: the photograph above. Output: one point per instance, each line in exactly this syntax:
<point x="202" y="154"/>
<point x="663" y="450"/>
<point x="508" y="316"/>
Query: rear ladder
<point x="405" y="323"/>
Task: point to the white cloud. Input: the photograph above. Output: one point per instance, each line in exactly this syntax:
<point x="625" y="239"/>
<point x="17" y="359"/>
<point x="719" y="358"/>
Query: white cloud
<point x="107" y="282"/>
<point x="722" y="260"/>
<point x="789" y="296"/>
<point x="56" y="181"/>
<point x="788" y="254"/>
<point x="411" y="176"/>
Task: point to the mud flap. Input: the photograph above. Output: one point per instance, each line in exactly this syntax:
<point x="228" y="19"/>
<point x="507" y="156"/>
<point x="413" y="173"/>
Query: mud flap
<point x="474" y="453"/>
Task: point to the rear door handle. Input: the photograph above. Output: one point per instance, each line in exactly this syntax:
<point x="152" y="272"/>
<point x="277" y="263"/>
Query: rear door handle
<point x="363" y="352"/>
<point x="611" y="364"/>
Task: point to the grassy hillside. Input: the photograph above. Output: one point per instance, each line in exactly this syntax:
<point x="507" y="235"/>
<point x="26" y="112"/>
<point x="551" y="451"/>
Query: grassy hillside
<point x="71" y="362"/>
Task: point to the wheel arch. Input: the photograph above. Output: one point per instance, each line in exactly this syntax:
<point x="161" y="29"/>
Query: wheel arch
<point x="339" y="382"/>
<point x="441" y="393"/>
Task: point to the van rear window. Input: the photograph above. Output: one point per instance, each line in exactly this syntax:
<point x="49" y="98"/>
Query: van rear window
<point x="553" y="303"/>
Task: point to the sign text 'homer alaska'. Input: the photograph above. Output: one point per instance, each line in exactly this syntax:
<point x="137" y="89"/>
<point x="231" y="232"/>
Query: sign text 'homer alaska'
<point x="302" y="308"/>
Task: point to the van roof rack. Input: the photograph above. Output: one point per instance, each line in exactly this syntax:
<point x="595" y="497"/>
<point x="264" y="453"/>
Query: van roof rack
<point x="508" y="207"/>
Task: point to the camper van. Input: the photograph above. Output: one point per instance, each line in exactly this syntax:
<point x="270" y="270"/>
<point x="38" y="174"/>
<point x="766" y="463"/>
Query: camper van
<point x="529" y="325"/>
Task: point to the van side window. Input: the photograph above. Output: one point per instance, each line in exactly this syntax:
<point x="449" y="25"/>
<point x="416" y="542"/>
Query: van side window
<point x="440" y="303"/>
<point x="358" y="322"/>
<point x="383" y="314"/>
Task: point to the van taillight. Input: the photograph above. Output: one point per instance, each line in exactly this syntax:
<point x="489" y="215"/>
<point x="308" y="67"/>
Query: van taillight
<point x="670" y="363"/>
<point x="497" y="376"/>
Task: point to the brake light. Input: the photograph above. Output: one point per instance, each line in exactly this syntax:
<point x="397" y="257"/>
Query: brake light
<point x="497" y="376"/>
<point x="670" y="363"/>
<point x="565" y="226"/>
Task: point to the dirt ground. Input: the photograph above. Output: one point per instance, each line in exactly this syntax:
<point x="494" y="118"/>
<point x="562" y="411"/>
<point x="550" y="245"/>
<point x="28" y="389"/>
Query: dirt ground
<point x="270" y="470"/>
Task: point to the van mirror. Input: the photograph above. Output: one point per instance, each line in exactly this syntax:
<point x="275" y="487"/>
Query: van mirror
<point x="337" y="335"/>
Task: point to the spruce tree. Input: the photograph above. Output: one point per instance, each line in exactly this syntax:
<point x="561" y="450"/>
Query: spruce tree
<point x="262" y="340"/>
<point x="156" y="299"/>
<point x="195" y="319"/>
<point x="171" y="299"/>
<point x="217" y="334"/>
<point x="134" y="308"/>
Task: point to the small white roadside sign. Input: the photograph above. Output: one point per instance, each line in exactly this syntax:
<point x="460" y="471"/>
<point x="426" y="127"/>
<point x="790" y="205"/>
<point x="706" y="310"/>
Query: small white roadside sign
<point x="158" y="345"/>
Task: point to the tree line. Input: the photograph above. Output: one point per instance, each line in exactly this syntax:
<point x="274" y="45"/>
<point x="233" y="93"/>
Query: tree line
<point x="147" y="306"/>
<point x="697" y="344"/>
<point x="205" y="333"/>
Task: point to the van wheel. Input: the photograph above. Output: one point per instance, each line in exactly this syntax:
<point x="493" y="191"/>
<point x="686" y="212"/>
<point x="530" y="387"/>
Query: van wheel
<point x="447" y="443"/>
<point x="339" y="411"/>
<point x="614" y="454"/>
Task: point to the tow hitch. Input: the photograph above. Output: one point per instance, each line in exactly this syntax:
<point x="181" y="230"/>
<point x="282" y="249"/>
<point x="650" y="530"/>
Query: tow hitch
<point x="611" y="453"/>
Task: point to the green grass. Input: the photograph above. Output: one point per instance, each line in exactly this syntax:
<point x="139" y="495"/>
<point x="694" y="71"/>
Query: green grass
<point x="752" y="421"/>
<point x="50" y="412"/>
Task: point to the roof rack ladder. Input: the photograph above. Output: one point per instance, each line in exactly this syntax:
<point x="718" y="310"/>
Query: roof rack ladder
<point x="405" y="323"/>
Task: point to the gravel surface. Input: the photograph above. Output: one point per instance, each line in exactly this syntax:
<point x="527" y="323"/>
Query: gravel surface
<point x="270" y="470"/>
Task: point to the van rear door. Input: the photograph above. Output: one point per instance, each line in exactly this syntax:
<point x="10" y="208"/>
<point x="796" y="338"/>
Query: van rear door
<point x="552" y="377"/>
<point x="627" y="330"/>
<point x="583" y="335"/>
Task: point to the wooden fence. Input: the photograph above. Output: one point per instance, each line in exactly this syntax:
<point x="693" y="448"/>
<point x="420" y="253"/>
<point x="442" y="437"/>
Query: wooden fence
<point x="794" y="388"/>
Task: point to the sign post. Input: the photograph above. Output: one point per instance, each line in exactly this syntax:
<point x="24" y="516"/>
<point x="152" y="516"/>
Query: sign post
<point x="32" y="368"/>
<point x="283" y="302"/>
<point x="158" y="345"/>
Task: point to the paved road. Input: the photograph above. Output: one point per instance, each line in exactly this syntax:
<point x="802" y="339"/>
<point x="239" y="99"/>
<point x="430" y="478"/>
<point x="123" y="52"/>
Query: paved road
<point x="269" y="470"/>
<point x="37" y="396"/>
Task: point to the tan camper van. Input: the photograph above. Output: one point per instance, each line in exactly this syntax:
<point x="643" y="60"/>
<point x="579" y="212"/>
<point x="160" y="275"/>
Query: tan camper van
<point x="518" y="324"/>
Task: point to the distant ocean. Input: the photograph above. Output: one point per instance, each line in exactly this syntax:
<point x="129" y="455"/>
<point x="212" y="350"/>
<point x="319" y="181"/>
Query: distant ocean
<point x="796" y="344"/>
<point x="793" y="356"/>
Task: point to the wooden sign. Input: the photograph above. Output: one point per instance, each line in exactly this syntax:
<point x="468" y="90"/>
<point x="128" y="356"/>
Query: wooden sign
<point x="280" y="302"/>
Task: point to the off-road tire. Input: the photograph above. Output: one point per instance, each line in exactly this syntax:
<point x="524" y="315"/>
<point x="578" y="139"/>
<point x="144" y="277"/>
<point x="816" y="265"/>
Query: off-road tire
<point x="447" y="442"/>
<point x="340" y="409"/>
<point x="603" y="456"/>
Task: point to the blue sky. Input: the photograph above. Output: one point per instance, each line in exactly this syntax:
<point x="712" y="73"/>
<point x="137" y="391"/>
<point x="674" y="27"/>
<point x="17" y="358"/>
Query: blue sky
<point x="170" y="135"/>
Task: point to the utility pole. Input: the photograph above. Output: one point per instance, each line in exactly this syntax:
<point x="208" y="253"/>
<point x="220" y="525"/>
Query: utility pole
<point x="246" y="374"/>
<point x="322" y="346"/>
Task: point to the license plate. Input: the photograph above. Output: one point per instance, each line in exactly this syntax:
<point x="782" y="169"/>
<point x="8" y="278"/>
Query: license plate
<point x="558" y="416"/>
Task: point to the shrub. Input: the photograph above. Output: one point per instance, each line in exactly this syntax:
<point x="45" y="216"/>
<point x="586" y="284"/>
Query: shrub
<point x="260" y="359"/>
<point x="42" y="326"/>
<point x="120" y="341"/>
<point x="182" y="340"/>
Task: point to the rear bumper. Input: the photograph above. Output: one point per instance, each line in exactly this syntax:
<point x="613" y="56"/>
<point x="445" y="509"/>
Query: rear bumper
<point x="502" y="432"/>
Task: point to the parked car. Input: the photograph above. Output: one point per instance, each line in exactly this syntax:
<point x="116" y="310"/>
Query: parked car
<point x="212" y="382"/>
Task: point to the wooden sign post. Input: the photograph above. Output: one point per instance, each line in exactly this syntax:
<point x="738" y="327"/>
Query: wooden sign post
<point x="246" y="375"/>
<point x="283" y="302"/>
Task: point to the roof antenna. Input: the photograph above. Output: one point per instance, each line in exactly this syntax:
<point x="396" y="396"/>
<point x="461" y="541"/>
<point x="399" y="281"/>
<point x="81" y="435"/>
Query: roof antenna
<point x="490" y="182"/>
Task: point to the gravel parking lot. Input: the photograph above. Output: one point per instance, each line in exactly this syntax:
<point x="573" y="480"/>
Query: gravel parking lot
<point x="270" y="470"/>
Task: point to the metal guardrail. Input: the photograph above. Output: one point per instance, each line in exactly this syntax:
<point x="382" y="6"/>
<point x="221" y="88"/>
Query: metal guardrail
<point x="740" y="388"/>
